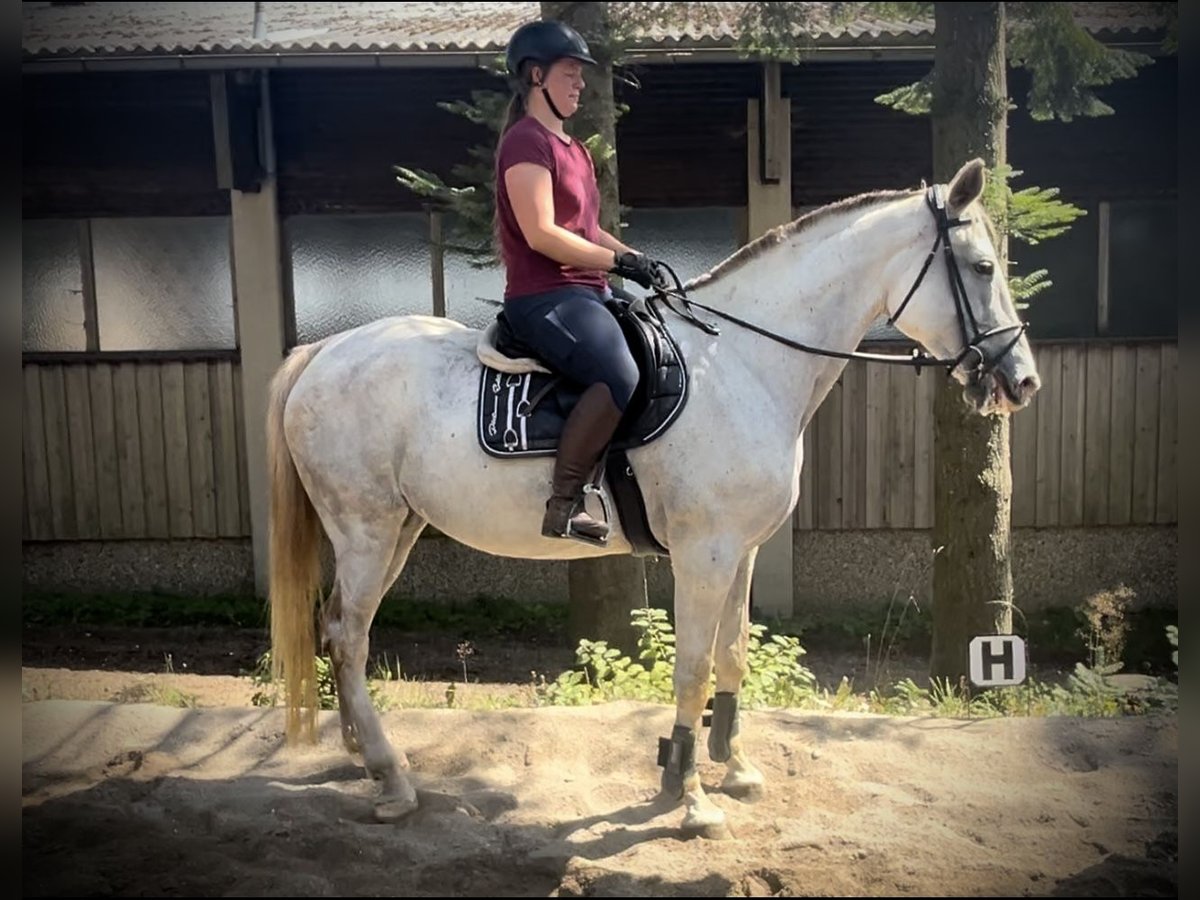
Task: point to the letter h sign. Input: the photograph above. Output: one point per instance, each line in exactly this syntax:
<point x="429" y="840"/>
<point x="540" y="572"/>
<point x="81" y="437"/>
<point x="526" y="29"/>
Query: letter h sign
<point x="997" y="659"/>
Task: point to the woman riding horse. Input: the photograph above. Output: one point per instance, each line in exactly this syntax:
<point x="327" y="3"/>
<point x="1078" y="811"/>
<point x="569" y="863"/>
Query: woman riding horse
<point x="556" y="256"/>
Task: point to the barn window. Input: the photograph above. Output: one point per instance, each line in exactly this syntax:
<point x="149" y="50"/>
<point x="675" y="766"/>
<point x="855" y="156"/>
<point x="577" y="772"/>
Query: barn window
<point x="348" y="270"/>
<point x="164" y="283"/>
<point x="51" y="286"/>
<point x="1143" y="274"/>
<point x="691" y="241"/>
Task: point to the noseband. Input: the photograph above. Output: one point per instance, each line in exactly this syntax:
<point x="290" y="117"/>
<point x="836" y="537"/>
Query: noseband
<point x="972" y="339"/>
<point x="962" y="306"/>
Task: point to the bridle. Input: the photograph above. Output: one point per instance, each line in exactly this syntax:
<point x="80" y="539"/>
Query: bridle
<point x="972" y="339"/>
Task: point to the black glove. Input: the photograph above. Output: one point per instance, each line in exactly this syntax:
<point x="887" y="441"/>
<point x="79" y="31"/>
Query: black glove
<point x="641" y="269"/>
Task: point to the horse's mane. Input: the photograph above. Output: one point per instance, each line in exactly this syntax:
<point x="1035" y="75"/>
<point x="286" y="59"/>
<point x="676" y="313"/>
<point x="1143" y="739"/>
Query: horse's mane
<point x="781" y="233"/>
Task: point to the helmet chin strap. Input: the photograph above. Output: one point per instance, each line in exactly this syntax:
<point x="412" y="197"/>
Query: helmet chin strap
<point x="549" y="102"/>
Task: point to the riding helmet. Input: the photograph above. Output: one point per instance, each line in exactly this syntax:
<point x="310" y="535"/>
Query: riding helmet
<point x="544" y="42"/>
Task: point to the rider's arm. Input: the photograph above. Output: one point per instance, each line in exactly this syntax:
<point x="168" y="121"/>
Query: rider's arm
<point x="531" y="194"/>
<point x="607" y="240"/>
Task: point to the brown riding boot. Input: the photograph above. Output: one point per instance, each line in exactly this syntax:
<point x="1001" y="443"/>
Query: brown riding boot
<point x="587" y="432"/>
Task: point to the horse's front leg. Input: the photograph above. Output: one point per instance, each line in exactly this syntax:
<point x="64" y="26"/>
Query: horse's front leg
<point x="743" y="779"/>
<point x="703" y="578"/>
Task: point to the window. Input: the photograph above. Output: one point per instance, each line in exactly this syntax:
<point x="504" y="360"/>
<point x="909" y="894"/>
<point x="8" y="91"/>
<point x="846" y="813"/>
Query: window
<point x="51" y="286"/>
<point x="1066" y="309"/>
<point x="1143" y="273"/>
<point x="348" y="270"/>
<point x="691" y="241"/>
<point x="164" y="284"/>
<point x="159" y="284"/>
<point x="466" y="285"/>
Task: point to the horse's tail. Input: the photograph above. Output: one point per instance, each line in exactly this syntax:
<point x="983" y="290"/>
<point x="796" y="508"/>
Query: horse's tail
<point x="295" y="564"/>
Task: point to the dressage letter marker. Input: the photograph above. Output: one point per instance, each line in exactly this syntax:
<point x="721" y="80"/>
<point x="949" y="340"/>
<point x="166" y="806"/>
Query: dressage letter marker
<point x="997" y="659"/>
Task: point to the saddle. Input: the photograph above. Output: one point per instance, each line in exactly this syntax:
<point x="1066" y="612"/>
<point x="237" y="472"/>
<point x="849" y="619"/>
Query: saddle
<point x="524" y="403"/>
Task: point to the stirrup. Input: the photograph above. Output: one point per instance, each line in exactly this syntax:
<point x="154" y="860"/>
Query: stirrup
<point x="580" y="506"/>
<point x="596" y="489"/>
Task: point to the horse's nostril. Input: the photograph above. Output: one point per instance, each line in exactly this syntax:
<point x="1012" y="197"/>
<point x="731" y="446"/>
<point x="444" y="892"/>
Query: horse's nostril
<point x="1028" y="387"/>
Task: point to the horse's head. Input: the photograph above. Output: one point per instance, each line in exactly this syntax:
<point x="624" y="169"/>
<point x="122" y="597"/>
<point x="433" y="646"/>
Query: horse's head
<point x="962" y="308"/>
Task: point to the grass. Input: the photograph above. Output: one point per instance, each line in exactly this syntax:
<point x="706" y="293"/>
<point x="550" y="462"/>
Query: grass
<point x="1064" y="635"/>
<point x="1052" y="635"/>
<point x="157" y="694"/>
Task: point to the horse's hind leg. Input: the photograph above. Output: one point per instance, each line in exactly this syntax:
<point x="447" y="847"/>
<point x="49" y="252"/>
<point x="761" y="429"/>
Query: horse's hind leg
<point x="742" y="779"/>
<point x="369" y="557"/>
<point x="332" y="623"/>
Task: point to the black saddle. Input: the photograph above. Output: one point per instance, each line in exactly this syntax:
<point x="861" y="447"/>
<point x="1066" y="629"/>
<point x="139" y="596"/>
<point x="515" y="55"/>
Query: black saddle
<point x="523" y="415"/>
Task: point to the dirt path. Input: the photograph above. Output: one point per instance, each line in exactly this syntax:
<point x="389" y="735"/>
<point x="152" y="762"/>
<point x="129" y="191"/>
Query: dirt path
<point x="141" y="799"/>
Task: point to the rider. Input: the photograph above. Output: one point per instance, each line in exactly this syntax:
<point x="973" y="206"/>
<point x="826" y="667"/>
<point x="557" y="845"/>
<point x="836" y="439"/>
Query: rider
<point x="556" y="257"/>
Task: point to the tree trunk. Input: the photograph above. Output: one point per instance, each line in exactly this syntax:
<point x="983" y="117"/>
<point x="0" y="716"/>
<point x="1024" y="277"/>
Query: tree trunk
<point x="972" y="577"/>
<point x="603" y="591"/>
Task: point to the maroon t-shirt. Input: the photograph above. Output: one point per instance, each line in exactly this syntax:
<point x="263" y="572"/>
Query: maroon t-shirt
<point x="576" y="207"/>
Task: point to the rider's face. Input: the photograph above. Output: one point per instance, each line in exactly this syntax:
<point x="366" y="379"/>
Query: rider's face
<point x="565" y="83"/>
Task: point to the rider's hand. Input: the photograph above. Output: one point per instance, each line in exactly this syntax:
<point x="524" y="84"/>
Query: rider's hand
<point x="643" y="270"/>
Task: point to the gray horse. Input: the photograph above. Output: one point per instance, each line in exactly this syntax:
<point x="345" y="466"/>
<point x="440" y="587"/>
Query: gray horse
<point x="372" y="437"/>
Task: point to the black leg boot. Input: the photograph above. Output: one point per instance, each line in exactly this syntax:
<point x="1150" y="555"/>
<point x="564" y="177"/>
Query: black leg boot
<point x="587" y="432"/>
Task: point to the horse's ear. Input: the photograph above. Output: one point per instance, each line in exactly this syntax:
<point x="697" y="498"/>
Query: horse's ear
<point x="966" y="187"/>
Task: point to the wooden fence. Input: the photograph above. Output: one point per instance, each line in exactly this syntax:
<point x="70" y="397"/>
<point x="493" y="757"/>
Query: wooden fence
<point x="139" y="449"/>
<point x="156" y="449"/>
<point x="1096" y="447"/>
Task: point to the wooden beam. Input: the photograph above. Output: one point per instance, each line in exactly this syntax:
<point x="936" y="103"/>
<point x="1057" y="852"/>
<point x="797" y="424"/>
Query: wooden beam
<point x="260" y="317"/>
<point x="437" y="267"/>
<point x="220" y="114"/>
<point x="91" y="323"/>
<point x="768" y="204"/>
<point x="1102" y="283"/>
<point x="773" y="143"/>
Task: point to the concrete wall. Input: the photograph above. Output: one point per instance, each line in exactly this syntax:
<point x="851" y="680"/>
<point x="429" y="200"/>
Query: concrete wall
<point x="833" y="570"/>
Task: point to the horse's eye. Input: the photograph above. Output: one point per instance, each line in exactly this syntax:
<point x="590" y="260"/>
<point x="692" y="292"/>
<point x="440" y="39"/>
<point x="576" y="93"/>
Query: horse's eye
<point x="984" y="267"/>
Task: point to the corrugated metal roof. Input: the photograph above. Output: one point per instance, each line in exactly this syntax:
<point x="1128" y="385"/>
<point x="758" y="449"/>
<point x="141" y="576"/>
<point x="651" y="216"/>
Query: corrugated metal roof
<point x="75" y="30"/>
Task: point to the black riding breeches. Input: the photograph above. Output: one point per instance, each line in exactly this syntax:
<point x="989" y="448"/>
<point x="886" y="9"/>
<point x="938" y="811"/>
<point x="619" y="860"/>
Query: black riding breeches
<point x="574" y="332"/>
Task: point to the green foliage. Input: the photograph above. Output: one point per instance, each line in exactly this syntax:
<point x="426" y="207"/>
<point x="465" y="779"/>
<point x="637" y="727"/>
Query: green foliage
<point x="779" y="31"/>
<point x="774" y="676"/>
<point x="157" y="695"/>
<point x="1065" y="62"/>
<point x="470" y="207"/>
<point x="1024" y="287"/>
<point x="601" y="150"/>
<point x="1030" y="215"/>
<point x="1086" y="693"/>
<point x="268" y="689"/>
<point x="1035" y="215"/>
<point x="1107" y="625"/>
<point x="914" y="99"/>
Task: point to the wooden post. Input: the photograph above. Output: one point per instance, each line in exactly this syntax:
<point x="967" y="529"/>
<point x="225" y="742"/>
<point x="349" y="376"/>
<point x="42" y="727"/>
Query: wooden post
<point x="259" y="305"/>
<point x="768" y="204"/>
<point x="437" y="262"/>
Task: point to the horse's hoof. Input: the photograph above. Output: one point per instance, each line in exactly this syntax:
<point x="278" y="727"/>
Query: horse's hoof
<point x="746" y="791"/>
<point x="393" y="809"/>
<point x="713" y="831"/>
<point x="708" y="824"/>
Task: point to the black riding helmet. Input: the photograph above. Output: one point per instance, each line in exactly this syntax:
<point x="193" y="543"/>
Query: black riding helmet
<point x="545" y="42"/>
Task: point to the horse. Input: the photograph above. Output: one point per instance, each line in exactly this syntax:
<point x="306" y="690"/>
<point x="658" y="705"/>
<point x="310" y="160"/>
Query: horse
<point x="372" y="435"/>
